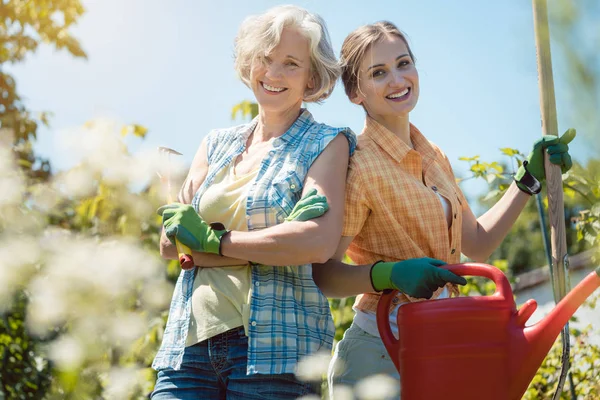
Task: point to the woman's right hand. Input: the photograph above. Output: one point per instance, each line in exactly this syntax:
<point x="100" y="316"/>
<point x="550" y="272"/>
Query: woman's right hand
<point x="416" y="277"/>
<point x="183" y="223"/>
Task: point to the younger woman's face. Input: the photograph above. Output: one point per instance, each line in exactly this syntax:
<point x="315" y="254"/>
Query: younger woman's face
<point x="388" y="82"/>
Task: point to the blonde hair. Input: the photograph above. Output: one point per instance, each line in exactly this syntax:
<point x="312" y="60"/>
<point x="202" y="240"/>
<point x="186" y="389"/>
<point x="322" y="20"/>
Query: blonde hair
<point x="259" y="34"/>
<point x="356" y="45"/>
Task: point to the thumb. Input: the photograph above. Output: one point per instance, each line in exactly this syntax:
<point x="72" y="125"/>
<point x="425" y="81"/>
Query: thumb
<point x="549" y="140"/>
<point x="162" y="209"/>
<point x="568" y="136"/>
<point x="451" y="277"/>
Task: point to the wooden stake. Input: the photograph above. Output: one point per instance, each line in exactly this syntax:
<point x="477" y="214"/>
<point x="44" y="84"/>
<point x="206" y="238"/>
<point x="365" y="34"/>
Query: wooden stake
<point x="549" y="127"/>
<point x="554" y="186"/>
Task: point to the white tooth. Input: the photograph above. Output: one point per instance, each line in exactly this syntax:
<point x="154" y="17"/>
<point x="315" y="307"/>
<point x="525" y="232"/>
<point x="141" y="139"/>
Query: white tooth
<point x="396" y="95"/>
<point x="272" y="88"/>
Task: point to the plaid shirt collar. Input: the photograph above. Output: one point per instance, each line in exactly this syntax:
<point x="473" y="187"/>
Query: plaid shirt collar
<point x="396" y="147"/>
<point x="295" y="131"/>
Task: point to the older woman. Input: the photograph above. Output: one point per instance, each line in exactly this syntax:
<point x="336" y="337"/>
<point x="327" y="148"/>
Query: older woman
<point x="237" y="328"/>
<point x="405" y="216"/>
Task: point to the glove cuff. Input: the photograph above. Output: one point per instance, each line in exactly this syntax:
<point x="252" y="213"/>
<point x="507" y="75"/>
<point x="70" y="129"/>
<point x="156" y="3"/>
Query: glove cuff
<point x="215" y="237"/>
<point x="221" y="242"/>
<point x="526" y="182"/>
<point x="380" y="276"/>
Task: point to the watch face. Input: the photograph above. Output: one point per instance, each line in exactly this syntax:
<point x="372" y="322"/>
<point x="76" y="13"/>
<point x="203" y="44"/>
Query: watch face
<point x="531" y="182"/>
<point x="537" y="186"/>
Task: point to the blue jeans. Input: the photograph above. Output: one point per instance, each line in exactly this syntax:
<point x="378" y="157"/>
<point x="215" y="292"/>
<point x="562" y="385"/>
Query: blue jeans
<point x="216" y="369"/>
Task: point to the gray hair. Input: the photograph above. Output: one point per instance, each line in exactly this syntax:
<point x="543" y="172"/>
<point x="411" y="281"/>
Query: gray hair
<point x="259" y="34"/>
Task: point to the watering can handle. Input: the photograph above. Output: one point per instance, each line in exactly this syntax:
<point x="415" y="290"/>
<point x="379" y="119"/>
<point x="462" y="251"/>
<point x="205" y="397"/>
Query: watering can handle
<point x="503" y="289"/>
<point x="383" y="324"/>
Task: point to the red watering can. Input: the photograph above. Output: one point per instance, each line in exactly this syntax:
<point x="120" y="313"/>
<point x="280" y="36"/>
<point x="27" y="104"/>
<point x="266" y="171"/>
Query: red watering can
<point x="474" y="347"/>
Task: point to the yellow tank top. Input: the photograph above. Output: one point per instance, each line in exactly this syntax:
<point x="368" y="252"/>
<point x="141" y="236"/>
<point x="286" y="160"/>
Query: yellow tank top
<point x="220" y="296"/>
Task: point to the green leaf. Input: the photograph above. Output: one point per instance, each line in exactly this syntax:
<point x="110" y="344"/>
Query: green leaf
<point x="25" y="163"/>
<point x="501" y="264"/>
<point x="135" y="129"/>
<point x="139" y="130"/>
<point x="246" y="109"/>
<point x="478" y="168"/>
<point x="509" y="151"/>
<point x="491" y="195"/>
<point x="497" y="167"/>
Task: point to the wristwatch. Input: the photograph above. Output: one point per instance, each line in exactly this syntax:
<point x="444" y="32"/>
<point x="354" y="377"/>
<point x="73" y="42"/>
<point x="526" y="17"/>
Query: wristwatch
<point x="528" y="183"/>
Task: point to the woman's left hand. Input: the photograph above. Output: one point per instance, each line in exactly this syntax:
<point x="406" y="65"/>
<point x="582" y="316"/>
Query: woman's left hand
<point x="311" y="205"/>
<point x="558" y="153"/>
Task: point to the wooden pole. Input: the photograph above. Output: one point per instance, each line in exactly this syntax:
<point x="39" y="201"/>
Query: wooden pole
<point x="549" y="127"/>
<point x="554" y="187"/>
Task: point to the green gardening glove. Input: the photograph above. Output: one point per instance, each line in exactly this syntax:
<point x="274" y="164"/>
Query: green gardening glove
<point x="181" y="221"/>
<point x="311" y="205"/>
<point x="416" y="277"/>
<point x="533" y="167"/>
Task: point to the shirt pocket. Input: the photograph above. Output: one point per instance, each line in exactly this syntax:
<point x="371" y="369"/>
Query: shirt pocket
<point x="286" y="192"/>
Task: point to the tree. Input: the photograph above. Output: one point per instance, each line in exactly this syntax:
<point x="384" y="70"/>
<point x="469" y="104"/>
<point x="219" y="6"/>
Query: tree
<point x="24" y="25"/>
<point x="84" y="294"/>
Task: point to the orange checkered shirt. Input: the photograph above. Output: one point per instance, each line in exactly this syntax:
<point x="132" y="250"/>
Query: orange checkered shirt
<point x="392" y="209"/>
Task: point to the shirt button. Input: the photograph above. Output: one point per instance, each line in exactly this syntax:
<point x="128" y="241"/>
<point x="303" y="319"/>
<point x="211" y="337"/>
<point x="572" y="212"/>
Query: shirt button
<point x="272" y="152"/>
<point x="247" y="217"/>
<point x="256" y="283"/>
<point x="292" y="186"/>
<point x="253" y="323"/>
<point x="395" y="301"/>
<point x="453" y="250"/>
<point x="434" y="188"/>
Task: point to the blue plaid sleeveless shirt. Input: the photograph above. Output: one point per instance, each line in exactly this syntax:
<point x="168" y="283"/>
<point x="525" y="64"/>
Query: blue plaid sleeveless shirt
<point x="289" y="316"/>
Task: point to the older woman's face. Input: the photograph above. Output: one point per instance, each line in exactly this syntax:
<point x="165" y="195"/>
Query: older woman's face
<point x="388" y="79"/>
<point x="280" y="82"/>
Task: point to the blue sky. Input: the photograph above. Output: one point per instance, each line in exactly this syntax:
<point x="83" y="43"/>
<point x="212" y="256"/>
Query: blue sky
<point x="169" y="67"/>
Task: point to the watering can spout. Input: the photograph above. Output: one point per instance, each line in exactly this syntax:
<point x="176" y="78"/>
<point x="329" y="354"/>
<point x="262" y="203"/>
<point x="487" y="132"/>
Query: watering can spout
<point x="533" y="343"/>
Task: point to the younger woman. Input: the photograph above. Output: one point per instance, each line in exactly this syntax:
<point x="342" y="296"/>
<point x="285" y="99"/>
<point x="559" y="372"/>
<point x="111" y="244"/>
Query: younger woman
<point x="405" y="215"/>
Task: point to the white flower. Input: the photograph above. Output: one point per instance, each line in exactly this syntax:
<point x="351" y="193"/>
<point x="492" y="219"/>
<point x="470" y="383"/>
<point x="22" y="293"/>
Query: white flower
<point x="126" y="328"/>
<point x="121" y="383"/>
<point x="342" y="392"/>
<point x="157" y="295"/>
<point x="66" y="352"/>
<point x="48" y="306"/>
<point x="19" y="256"/>
<point x="77" y="182"/>
<point x="312" y="368"/>
<point x="377" y="387"/>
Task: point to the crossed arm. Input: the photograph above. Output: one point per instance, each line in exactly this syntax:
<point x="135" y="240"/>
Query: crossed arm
<point x="292" y="243"/>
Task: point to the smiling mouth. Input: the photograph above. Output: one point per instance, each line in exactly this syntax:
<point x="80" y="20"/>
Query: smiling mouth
<point x="272" y="89"/>
<point x="402" y="95"/>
